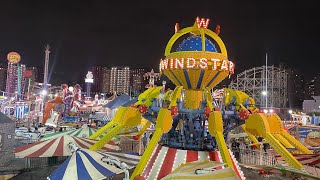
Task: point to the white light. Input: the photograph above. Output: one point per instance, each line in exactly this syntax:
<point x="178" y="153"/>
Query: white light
<point x="56" y="95"/>
<point x="71" y="88"/>
<point x="271" y="111"/>
<point x="264" y="93"/>
<point x="265" y="111"/>
<point x="12" y="98"/>
<point x="5" y="97"/>
<point x="44" y="92"/>
<point x="290" y="111"/>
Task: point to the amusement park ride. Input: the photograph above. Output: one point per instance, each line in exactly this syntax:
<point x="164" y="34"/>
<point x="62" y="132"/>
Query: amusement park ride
<point x="189" y="121"/>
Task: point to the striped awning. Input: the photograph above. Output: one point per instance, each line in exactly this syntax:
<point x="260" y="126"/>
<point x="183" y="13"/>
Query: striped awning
<point x="164" y="160"/>
<point x="202" y="170"/>
<point x="87" y="164"/>
<point x="312" y="160"/>
<point x="83" y="132"/>
<point x="58" y="147"/>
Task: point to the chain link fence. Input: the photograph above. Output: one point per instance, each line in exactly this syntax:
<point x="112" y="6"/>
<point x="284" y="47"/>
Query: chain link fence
<point x="254" y="157"/>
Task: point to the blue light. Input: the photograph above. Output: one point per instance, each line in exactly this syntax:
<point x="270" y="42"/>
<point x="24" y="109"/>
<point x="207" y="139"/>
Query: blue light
<point x="194" y="43"/>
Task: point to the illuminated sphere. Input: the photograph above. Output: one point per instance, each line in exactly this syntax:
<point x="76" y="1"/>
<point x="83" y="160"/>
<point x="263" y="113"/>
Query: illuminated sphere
<point x="194" y="43"/>
<point x="196" y="58"/>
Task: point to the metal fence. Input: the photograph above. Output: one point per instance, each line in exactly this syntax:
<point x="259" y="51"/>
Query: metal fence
<point x="43" y="161"/>
<point x="254" y="157"/>
<point x="132" y="146"/>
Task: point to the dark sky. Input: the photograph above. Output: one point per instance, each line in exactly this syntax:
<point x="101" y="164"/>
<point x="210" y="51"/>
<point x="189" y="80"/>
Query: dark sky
<point x="84" y="33"/>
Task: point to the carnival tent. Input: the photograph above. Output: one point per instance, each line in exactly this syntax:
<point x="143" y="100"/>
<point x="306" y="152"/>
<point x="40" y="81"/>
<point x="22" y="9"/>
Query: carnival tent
<point x="87" y="164"/>
<point x="118" y="101"/>
<point x="202" y="170"/>
<point x="57" y="147"/>
<point x="132" y="101"/>
<point x="83" y="132"/>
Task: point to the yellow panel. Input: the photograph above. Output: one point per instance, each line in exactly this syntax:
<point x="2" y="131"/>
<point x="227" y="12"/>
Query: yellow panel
<point x="215" y="127"/>
<point x="172" y="78"/>
<point x="208" y="98"/>
<point x="252" y="137"/>
<point x="193" y="99"/>
<point x="175" y="95"/>
<point x="206" y="76"/>
<point x="257" y="124"/>
<point x="209" y="77"/>
<point x="283" y="141"/>
<point x="180" y="75"/>
<point x="163" y="125"/>
<point x="218" y="79"/>
<point x="194" y="75"/>
<point x="215" y="122"/>
<point x="282" y="151"/>
<point x="295" y="143"/>
<point x="153" y="94"/>
<point x="164" y="120"/>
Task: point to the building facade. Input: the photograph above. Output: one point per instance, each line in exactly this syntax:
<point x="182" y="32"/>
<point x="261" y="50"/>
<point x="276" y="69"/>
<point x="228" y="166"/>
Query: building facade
<point x="296" y="91"/>
<point x="120" y="80"/>
<point x="12" y="78"/>
<point x="98" y="79"/>
<point x="311" y="105"/>
<point x="3" y="77"/>
<point x="138" y="82"/>
<point x="106" y="73"/>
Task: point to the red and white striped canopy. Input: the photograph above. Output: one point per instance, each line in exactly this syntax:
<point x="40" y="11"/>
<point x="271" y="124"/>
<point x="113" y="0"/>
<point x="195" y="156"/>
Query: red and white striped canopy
<point x="312" y="160"/>
<point x="58" y="147"/>
<point x="165" y="159"/>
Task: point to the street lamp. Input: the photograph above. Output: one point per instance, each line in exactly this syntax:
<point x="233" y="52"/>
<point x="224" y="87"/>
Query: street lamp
<point x="271" y="110"/>
<point x="290" y="111"/>
<point x="265" y="111"/>
<point x="70" y="88"/>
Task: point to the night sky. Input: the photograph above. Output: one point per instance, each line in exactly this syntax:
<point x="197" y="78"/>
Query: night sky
<point x="134" y="33"/>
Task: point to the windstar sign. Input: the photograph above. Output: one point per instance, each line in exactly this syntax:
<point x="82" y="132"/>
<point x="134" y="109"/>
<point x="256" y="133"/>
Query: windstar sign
<point x="192" y="63"/>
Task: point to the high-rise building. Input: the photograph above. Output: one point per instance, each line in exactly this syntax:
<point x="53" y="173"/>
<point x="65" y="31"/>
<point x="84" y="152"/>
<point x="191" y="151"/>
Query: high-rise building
<point x="296" y="91"/>
<point x="12" y="78"/>
<point x="312" y="87"/>
<point x="98" y="78"/>
<point x="137" y="80"/>
<point x="3" y="77"/>
<point x="317" y="85"/>
<point x="120" y="79"/>
<point x="106" y="73"/>
<point x="309" y="89"/>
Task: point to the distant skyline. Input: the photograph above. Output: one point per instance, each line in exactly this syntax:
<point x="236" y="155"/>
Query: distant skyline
<point x="83" y="34"/>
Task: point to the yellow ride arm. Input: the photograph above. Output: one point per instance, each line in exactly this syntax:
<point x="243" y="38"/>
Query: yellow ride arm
<point x="175" y="95"/>
<point x="215" y="128"/>
<point x="163" y="125"/>
<point x="125" y="117"/>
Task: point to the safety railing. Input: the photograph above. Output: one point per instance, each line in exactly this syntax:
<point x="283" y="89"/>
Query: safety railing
<point x="40" y="162"/>
<point x="254" y="157"/>
<point x="132" y="146"/>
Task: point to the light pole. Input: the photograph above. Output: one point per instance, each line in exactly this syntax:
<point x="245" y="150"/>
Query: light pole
<point x="266" y="94"/>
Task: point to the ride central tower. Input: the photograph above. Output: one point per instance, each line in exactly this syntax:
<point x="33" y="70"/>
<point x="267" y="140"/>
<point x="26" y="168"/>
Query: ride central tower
<point x="198" y="63"/>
